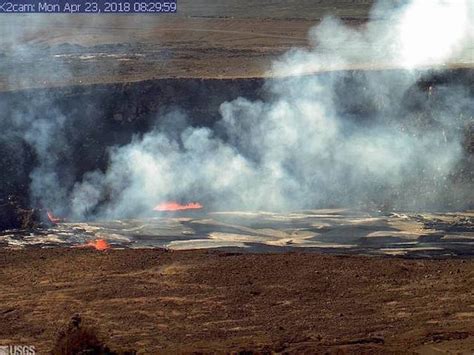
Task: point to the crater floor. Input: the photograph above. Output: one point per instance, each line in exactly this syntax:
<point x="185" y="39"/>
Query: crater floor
<point x="329" y="231"/>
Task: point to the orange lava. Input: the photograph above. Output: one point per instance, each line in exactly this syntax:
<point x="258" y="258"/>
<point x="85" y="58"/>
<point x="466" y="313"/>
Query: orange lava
<point x="175" y="206"/>
<point x="99" y="244"/>
<point x="52" y="218"/>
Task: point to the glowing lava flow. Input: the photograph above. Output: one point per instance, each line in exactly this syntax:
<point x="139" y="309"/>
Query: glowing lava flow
<point x="175" y="206"/>
<point x="99" y="244"/>
<point x="53" y="219"/>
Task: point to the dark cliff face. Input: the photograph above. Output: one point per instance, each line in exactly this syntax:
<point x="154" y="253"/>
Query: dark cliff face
<point x="95" y="118"/>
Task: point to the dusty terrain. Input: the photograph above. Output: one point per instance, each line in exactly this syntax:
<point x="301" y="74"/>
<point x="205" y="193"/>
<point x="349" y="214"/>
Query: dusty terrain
<point x="202" y="301"/>
<point x="130" y="52"/>
<point x="232" y="39"/>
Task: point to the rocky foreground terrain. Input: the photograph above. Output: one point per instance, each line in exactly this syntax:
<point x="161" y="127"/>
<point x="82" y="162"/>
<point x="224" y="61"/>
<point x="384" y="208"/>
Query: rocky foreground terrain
<point x="153" y="301"/>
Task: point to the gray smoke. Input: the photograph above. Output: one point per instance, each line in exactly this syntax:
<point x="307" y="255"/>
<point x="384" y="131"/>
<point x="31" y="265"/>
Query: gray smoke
<point x="298" y="149"/>
<point x="36" y="51"/>
<point x="334" y="139"/>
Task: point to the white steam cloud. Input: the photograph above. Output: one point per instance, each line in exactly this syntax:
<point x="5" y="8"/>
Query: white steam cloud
<point x="299" y="149"/>
<point x="342" y="138"/>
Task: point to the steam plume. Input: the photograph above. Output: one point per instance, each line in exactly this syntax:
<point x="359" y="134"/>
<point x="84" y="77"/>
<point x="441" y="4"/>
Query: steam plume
<point x="365" y="138"/>
<point x="299" y="149"/>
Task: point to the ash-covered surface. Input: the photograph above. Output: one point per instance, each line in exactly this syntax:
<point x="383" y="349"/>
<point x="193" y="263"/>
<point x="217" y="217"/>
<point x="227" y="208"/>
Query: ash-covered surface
<point x="326" y="231"/>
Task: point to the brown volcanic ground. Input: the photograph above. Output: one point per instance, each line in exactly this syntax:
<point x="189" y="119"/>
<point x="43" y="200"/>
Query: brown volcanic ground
<point x="232" y="39"/>
<point x="206" y="301"/>
<point x="204" y="40"/>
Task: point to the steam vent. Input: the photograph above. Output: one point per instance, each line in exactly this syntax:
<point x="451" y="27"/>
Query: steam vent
<point x="243" y="177"/>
